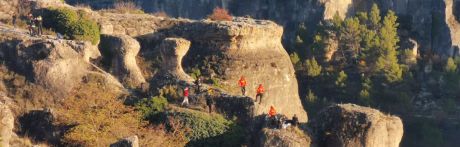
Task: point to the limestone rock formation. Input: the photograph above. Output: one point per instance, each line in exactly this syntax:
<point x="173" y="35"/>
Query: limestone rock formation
<point x="172" y="51"/>
<point x="132" y="141"/>
<point x="250" y="48"/>
<point x="331" y="7"/>
<point x="57" y="65"/>
<point x="6" y="125"/>
<point x="123" y="50"/>
<point x="349" y="125"/>
<point x="290" y="137"/>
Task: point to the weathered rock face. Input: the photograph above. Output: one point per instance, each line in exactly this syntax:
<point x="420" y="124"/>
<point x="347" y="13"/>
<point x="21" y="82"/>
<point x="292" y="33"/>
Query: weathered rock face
<point x="172" y="51"/>
<point x="250" y="48"/>
<point x="132" y="141"/>
<point x="349" y="125"/>
<point x="291" y="137"/>
<point x="437" y="15"/>
<point x="123" y="50"/>
<point x="6" y="125"/>
<point x="57" y="65"/>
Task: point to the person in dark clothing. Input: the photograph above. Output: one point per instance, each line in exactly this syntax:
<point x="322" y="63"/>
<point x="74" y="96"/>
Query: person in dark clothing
<point x="39" y="22"/>
<point x="15" y="17"/>
<point x="209" y="100"/>
<point x="295" y="120"/>
<point x="198" y="83"/>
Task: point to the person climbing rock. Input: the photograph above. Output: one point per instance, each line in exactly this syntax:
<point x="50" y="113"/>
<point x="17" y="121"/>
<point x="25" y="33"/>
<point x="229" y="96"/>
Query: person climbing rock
<point x="272" y="116"/>
<point x="260" y="93"/>
<point x="39" y="23"/>
<point x="242" y="83"/>
<point x="198" y="82"/>
<point x="186" y="94"/>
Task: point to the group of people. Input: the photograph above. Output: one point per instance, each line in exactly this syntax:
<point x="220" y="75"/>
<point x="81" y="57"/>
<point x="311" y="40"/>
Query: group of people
<point x="35" y="25"/>
<point x="209" y="99"/>
<point x="259" y="92"/>
<point x="280" y="121"/>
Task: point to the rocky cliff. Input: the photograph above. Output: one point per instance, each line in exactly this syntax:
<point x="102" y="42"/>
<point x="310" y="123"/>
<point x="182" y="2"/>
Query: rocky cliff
<point x="430" y="22"/>
<point x="244" y="47"/>
<point x="349" y="125"/>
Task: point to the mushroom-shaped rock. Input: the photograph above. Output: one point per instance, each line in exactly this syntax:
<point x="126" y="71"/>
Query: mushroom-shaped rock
<point x="6" y="125"/>
<point x="349" y="125"/>
<point x="123" y="50"/>
<point x="172" y="51"/>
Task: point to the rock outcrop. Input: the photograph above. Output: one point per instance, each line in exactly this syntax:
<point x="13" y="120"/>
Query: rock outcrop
<point x="6" y="125"/>
<point x="290" y="137"/>
<point x="57" y="65"/>
<point x="132" y="141"/>
<point x="172" y="51"/>
<point x="250" y="48"/>
<point x="123" y="50"/>
<point x="349" y="125"/>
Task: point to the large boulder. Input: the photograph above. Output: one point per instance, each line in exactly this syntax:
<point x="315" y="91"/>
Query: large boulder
<point x="245" y="47"/>
<point x="172" y="51"/>
<point x="349" y="125"/>
<point x="290" y="137"/>
<point x="123" y="50"/>
<point x="57" y="65"/>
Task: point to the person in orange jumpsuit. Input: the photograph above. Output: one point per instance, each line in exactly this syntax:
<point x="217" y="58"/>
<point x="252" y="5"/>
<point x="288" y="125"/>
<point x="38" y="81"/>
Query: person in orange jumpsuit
<point x="260" y="93"/>
<point x="242" y="83"/>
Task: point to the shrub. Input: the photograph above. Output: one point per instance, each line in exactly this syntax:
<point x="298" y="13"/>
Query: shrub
<point x="72" y="24"/>
<point x="210" y="130"/>
<point x="220" y="14"/>
<point x="151" y="107"/>
<point x="127" y="7"/>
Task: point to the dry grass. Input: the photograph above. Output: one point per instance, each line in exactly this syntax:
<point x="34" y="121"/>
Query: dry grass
<point x="220" y="14"/>
<point x="125" y="7"/>
<point x="160" y="14"/>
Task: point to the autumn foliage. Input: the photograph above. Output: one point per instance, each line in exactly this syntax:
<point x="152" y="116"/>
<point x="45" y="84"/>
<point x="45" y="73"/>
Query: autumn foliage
<point x="220" y="14"/>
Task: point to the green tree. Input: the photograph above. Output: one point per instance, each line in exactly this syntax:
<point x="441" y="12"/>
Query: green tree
<point x="312" y="67"/>
<point x="451" y="66"/>
<point x="374" y="17"/>
<point x="341" y="79"/>
<point x="387" y="62"/>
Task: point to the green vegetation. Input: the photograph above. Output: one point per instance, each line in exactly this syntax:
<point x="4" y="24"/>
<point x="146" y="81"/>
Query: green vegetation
<point x="73" y="24"/>
<point x="355" y="60"/>
<point x="151" y="107"/>
<point x="203" y="129"/>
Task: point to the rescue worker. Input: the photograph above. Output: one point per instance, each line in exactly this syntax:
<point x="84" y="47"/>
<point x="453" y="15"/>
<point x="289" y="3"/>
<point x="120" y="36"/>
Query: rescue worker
<point x="242" y="83"/>
<point x="31" y="24"/>
<point x="272" y="116"/>
<point x="260" y="93"/>
<point x="186" y="94"/>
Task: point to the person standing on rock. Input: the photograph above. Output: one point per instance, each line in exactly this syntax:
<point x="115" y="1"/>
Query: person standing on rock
<point x="209" y="102"/>
<point x="186" y="94"/>
<point x="31" y="24"/>
<point x="242" y="83"/>
<point x="39" y="23"/>
<point x="272" y="116"/>
<point x="198" y="83"/>
<point x="15" y="17"/>
<point x="260" y="93"/>
<point x="295" y="120"/>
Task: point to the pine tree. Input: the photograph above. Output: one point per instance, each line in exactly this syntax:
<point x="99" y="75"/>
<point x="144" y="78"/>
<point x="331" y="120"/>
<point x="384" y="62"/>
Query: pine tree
<point x="341" y="79"/>
<point x="387" y="62"/>
<point x="450" y="67"/>
<point x="312" y="67"/>
<point x="374" y="17"/>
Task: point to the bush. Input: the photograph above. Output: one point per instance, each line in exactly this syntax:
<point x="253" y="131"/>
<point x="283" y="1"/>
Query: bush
<point x="151" y="107"/>
<point x="209" y="130"/>
<point x="72" y="24"/>
<point x="220" y="14"/>
<point x="126" y="7"/>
